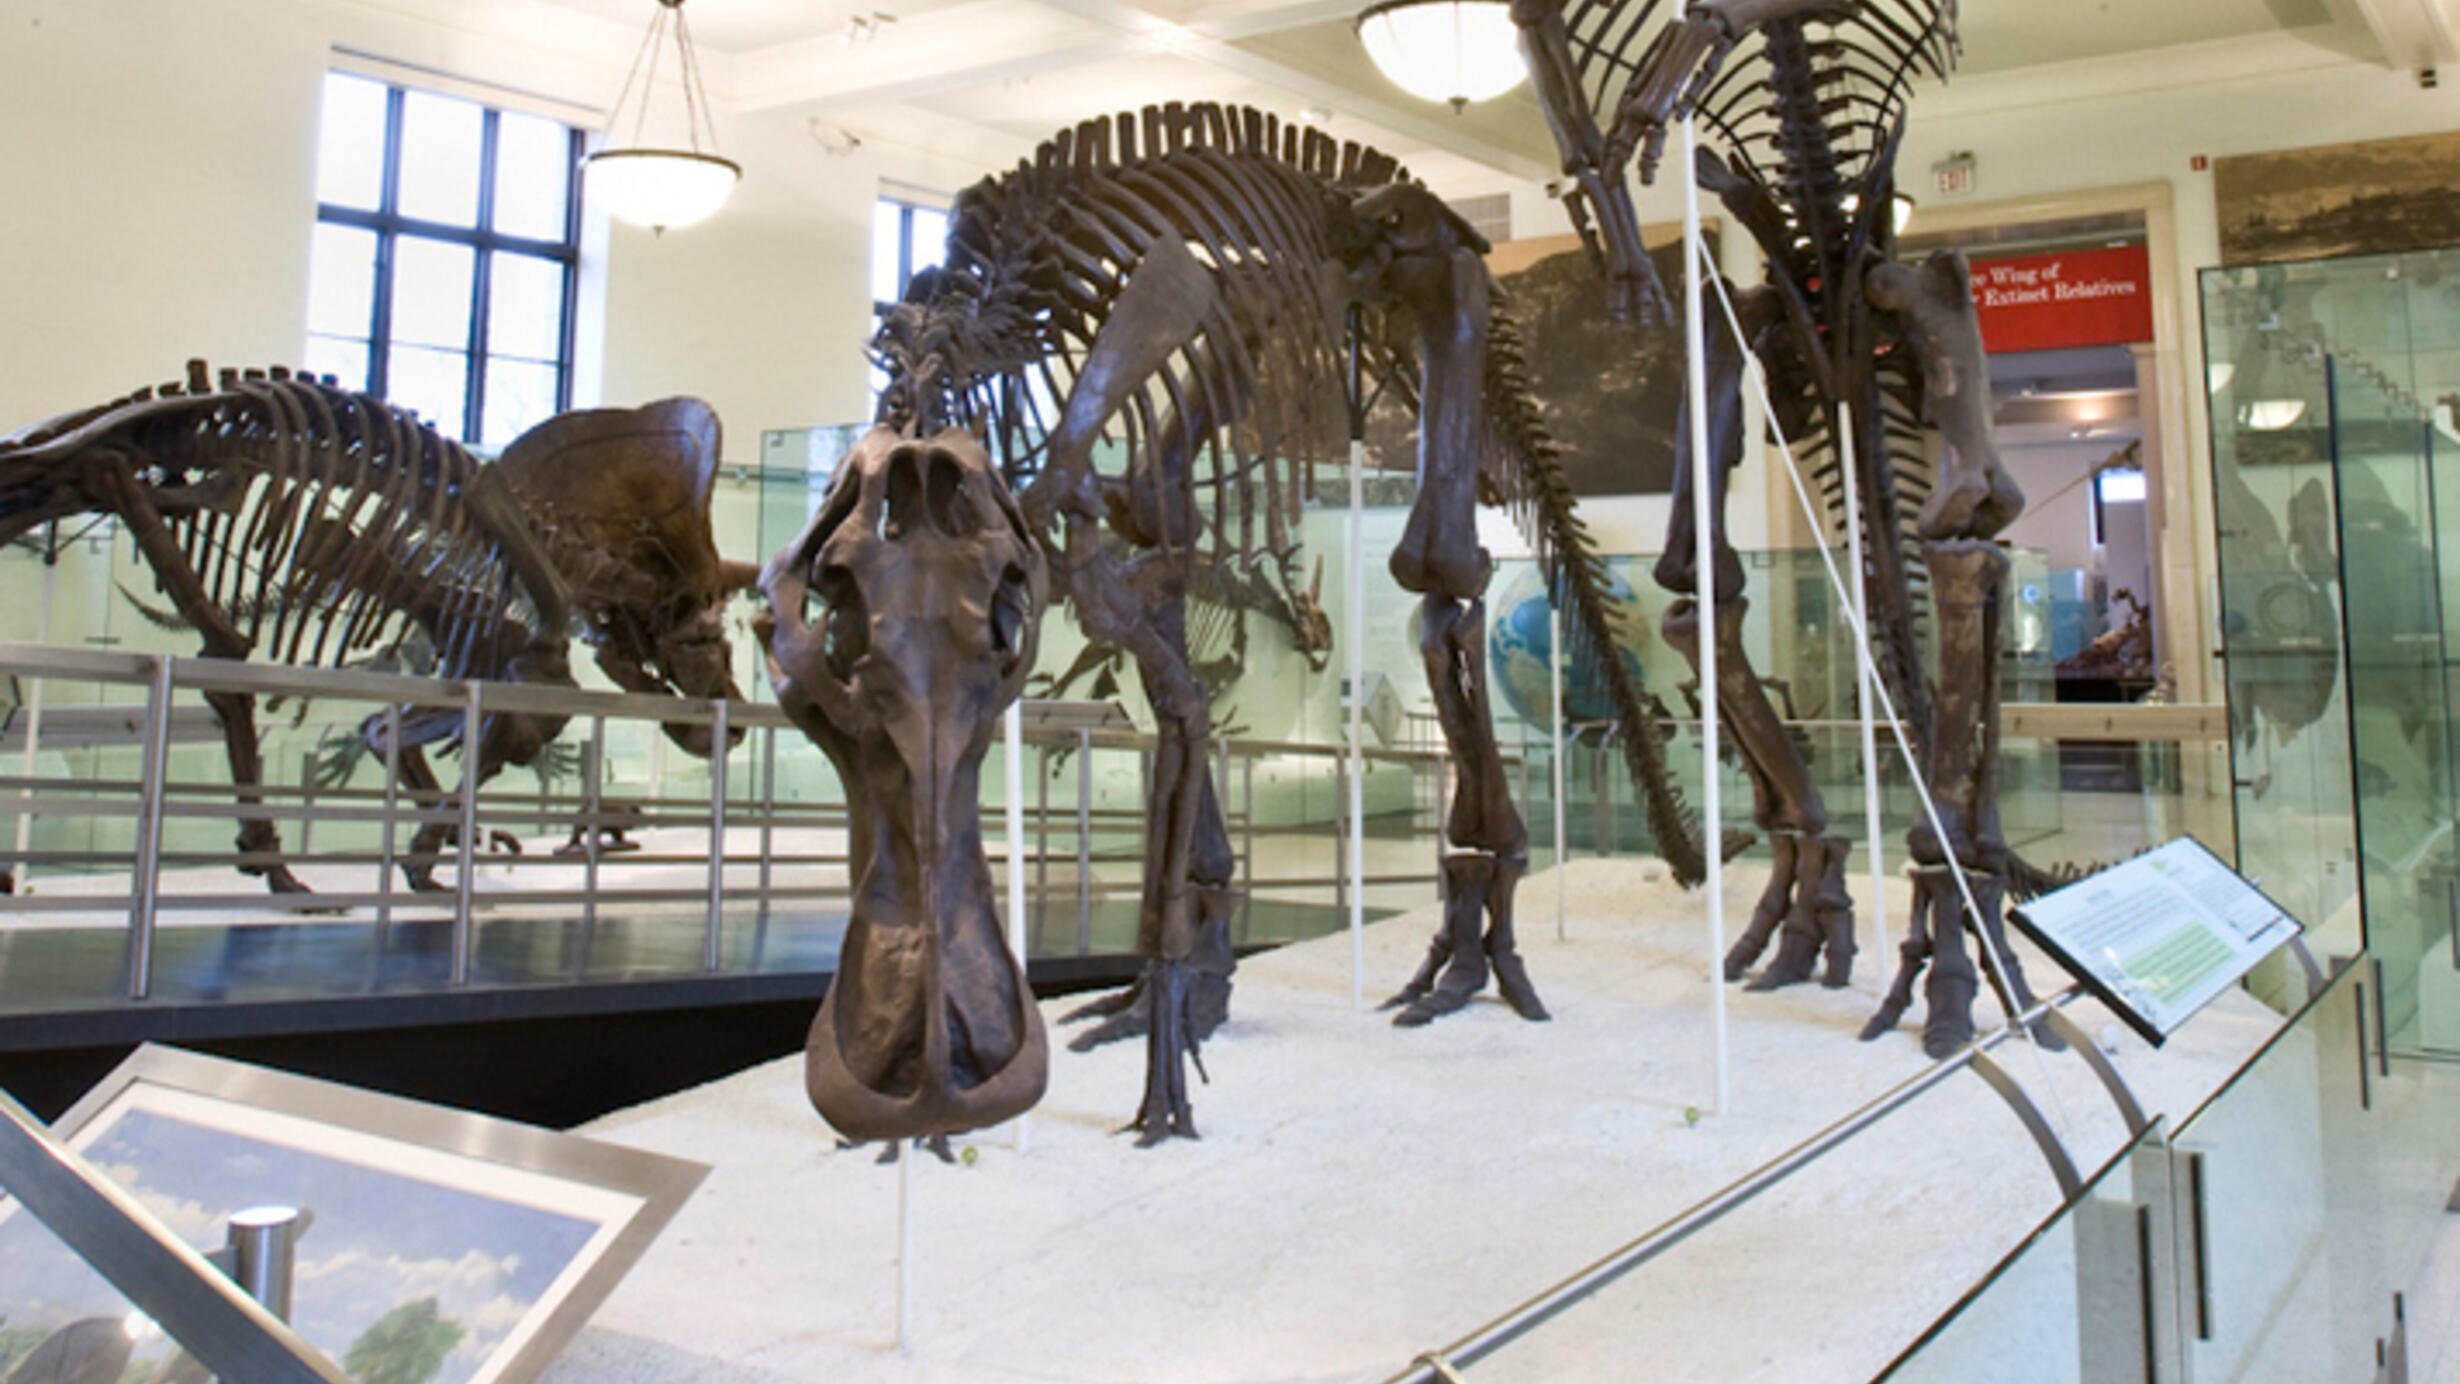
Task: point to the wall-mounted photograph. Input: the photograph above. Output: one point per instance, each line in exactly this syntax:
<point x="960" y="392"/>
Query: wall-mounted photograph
<point x="2375" y="197"/>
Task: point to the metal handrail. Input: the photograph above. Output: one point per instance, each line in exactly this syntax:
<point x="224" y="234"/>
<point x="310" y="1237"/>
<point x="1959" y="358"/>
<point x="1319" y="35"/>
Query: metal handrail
<point x="158" y="799"/>
<point x="1437" y="1366"/>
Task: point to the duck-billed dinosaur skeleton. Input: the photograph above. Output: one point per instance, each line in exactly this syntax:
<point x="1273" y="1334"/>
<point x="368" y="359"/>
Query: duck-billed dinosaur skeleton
<point x="1179" y="282"/>
<point x="296" y="522"/>
<point x="1808" y="99"/>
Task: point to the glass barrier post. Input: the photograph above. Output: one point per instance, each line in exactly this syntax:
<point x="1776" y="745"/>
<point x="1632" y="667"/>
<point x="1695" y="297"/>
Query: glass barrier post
<point x="389" y="835"/>
<point x="1042" y="839"/>
<point x="1247" y="853"/>
<point x="145" y="885"/>
<point x="1084" y="841"/>
<point x="713" y="937"/>
<point x="466" y="877"/>
<point x="768" y="817"/>
<point x="593" y="802"/>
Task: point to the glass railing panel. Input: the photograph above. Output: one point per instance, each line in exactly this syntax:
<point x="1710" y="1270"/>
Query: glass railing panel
<point x="2084" y="1300"/>
<point x="2278" y="1181"/>
<point x="2280" y="595"/>
<point x="1788" y="1284"/>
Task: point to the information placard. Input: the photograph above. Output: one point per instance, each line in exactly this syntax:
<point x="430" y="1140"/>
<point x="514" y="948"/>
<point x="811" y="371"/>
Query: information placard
<point x="2158" y="936"/>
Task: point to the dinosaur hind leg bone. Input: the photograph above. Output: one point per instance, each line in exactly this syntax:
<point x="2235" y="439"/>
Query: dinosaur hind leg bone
<point x="1442" y="282"/>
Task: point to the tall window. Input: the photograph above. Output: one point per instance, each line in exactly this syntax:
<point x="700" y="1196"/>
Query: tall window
<point x="905" y="237"/>
<point x="442" y="274"/>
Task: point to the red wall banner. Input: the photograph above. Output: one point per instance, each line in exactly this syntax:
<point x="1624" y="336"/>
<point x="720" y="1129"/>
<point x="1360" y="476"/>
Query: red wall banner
<point x="2076" y="298"/>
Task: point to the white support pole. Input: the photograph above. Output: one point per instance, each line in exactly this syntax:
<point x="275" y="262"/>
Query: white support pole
<point x="1012" y="730"/>
<point x="1358" y="724"/>
<point x="905" y="1245"/>
<point x="1554" y="694"/>
<point x="1712" y="830"/>
<point x="1867" y="677"/>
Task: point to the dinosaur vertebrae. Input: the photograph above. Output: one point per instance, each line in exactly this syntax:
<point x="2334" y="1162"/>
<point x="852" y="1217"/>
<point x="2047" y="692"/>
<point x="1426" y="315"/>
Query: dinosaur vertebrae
<point x="1038" y="256"/>
<point x="1525" y="475"/>
<point x="318" y="521"/>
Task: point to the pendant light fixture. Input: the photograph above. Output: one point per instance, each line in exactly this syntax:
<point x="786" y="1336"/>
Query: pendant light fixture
<point x="656" y="187"/>
<point x="1445" y="50"/>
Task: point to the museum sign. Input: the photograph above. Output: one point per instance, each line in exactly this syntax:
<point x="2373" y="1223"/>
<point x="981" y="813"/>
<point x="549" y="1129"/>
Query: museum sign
<point x="2074" y="298"/>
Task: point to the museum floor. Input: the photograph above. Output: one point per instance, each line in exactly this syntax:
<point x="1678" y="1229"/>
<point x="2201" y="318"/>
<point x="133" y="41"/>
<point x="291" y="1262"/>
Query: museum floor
<point x="1363" y="1194"/>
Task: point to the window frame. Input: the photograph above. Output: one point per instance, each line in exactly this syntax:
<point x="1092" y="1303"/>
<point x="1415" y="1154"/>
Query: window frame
<point x="389" y="226"/>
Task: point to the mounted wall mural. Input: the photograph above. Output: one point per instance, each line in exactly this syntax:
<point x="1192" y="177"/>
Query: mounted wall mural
<point x="1611" y="410"/>
<point x="2375" y="197"/>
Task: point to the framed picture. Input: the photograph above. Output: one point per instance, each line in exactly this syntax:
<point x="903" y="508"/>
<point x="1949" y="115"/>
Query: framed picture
<point x="441" y="1247"/>
<point x="2375" y="197"/>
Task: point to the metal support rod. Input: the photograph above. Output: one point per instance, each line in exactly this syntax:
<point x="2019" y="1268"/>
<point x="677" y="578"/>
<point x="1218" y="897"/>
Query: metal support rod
<point x="1084" y="841"/>
<point x="905" y="1247"/>
<point x="146" y="884"/>
<point x="1712" y="818"/>
<point x="1247" y="850"/>
<point x="1865" y="678"/>
<point x="1042" y="840"/>
<point x="768" y="815"/>
<point x="713" y="938"/>
<point x="2062" y="1166"/>
<point x="1554" y="702"/>
<point x="1341" y="834"/>
<point x="1012" y="728"/>
<point x="1357" y="603"/>
<point x="2121" y="1095"/>
<point x="473" y="725"/>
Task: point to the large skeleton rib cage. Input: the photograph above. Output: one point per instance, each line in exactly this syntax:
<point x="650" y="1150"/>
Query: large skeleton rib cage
<point x="1178" y="285"/>
<point x="289" y="520"/>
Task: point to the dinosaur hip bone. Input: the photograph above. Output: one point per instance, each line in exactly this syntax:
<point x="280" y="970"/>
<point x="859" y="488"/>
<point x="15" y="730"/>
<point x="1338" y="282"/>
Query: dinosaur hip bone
<point x="930" y="594"/>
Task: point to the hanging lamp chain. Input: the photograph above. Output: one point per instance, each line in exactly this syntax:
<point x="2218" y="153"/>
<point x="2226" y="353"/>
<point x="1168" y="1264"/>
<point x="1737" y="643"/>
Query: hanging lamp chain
<point x="643" y="73"/>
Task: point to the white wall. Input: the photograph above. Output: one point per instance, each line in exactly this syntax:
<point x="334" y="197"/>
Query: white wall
<point x="160" y="157"/>
<point x="159" y="164"/>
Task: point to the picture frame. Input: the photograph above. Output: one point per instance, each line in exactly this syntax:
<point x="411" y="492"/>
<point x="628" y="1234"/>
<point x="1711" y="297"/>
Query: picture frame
<point x="442" y="1246"/>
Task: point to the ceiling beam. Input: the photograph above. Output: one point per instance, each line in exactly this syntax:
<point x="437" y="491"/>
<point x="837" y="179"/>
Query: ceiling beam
<point x="1205" y="45"/>
<point x="982" y="44"/>
<point x="2412" y="33"/>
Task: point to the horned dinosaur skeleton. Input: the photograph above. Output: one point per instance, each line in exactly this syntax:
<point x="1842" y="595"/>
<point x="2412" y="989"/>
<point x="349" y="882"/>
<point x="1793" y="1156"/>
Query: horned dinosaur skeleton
<point x="1180" y="280"/>
<point x="297" y="522"/>
<point x="1808" y="99"/>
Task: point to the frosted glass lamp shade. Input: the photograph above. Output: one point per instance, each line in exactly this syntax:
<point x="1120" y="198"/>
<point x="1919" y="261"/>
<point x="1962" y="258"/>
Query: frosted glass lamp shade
<point x="1445" y="50"/>
<point x="659" y="188"/>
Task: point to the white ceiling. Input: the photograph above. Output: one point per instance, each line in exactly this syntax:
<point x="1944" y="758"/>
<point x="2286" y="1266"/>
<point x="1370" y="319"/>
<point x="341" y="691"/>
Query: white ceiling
<point x="1016" y="70"/>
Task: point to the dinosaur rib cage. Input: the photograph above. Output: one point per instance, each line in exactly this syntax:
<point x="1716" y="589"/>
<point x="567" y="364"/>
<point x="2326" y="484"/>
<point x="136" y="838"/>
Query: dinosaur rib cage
<point x="320" y="522"/>
<point x="1036" y="261"/>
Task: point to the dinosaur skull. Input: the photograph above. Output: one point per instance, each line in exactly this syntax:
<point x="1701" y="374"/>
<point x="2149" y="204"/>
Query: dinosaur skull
<point x="926" y="592"/>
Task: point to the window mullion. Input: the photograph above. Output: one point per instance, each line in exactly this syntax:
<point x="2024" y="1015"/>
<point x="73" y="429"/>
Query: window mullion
<point x="474" y="382"/>
<point x="388" y="203"/>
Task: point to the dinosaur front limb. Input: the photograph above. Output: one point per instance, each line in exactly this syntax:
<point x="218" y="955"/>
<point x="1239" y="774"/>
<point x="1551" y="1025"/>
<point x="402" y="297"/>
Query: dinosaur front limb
<point x="1975" y="497"/>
